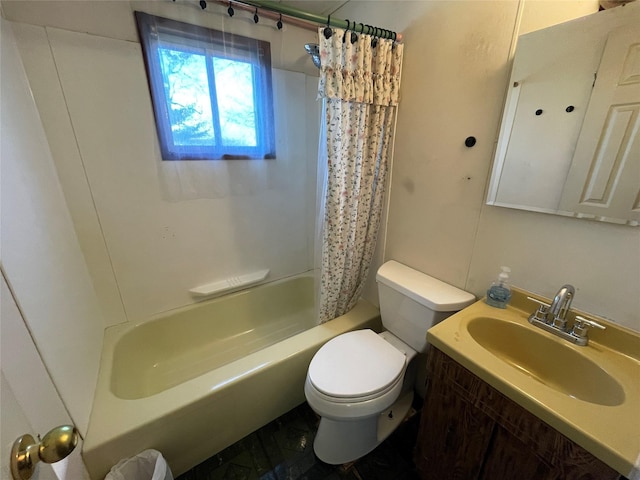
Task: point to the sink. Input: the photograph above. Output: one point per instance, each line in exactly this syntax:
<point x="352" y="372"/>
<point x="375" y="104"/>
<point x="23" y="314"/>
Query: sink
<point x="588" y="393"/>
<point x="547" y="360"/>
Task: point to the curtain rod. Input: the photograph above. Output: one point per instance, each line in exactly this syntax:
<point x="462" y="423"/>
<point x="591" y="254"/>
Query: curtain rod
<point x="316" y="19"/>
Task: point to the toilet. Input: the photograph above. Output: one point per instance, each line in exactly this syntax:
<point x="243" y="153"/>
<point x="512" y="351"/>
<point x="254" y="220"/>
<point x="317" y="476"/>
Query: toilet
<point x="361" y="383"/>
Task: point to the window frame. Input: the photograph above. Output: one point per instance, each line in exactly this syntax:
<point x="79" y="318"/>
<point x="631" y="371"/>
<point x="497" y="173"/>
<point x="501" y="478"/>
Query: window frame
<point x="158" y="32"/>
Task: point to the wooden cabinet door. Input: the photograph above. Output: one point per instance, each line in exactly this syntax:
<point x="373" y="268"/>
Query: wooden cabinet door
<point x="453" y="438"/>
<point x="509" y="458"/>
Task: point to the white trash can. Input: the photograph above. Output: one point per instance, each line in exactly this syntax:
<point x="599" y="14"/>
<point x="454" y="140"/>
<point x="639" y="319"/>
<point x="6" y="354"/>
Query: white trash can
<point x="147" y="465"/>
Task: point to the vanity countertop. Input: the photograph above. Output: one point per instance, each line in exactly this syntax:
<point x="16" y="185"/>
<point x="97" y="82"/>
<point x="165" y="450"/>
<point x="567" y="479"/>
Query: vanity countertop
<point x="611" y="432"/>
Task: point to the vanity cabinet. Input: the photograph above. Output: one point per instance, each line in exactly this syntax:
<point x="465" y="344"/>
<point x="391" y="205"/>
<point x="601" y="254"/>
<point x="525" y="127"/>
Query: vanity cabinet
<point x="470" y="431"/>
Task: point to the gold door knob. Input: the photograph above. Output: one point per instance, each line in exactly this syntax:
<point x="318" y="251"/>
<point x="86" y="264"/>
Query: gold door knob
<point x="54" y="446"/>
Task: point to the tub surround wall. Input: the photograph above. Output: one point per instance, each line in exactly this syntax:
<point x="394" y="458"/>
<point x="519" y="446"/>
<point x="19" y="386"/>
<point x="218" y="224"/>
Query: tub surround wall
<point x="151" y="230"/>
<point x="41" y="257"/>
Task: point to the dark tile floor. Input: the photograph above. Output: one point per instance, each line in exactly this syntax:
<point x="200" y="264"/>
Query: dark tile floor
<point x="283" y="450"/>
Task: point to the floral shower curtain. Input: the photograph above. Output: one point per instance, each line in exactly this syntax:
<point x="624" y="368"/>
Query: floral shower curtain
<point x="359" y="82"/>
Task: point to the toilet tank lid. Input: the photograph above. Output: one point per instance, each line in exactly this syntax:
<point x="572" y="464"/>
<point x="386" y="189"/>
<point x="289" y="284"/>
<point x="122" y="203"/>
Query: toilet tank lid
<point x="426" y="290"/>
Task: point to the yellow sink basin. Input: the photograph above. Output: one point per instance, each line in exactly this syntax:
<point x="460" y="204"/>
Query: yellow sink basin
<point x="546" y="360"/>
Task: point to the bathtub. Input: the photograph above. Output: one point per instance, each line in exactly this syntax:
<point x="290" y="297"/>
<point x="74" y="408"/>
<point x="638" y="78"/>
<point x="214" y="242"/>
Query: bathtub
<point x="192" y="382"/>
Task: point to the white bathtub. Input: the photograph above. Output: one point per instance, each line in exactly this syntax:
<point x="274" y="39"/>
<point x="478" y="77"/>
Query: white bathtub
<point x="198" y="379"/>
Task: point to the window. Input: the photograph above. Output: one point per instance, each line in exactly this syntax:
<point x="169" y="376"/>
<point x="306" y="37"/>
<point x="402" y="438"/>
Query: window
<point x="211" y="91"/>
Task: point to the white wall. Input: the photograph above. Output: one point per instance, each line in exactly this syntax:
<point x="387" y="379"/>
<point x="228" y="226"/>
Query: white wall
<point x="41" y="257"/>
<point x="547" y="251"/>
<point x="151" y="230"/>
<point x="538" y="14"/>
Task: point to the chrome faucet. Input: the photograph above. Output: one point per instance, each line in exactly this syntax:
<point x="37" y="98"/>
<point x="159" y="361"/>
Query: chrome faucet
<point x="557" y="315"/>
<point x="553" y="318"/>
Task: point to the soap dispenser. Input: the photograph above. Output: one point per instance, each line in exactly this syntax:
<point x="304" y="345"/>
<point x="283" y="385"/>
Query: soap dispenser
<point x="499" y="292"/>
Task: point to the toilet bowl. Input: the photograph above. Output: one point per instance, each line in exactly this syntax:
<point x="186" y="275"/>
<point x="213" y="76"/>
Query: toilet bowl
<point x="360" y="383"/>
<point x="357" y="374"/>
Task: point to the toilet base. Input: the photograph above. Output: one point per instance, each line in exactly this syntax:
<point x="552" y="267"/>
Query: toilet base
<point x="347" y="440"/>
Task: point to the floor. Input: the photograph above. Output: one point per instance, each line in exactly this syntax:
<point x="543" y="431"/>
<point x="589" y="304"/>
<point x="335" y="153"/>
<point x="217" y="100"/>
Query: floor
<point x="283" y="450"/>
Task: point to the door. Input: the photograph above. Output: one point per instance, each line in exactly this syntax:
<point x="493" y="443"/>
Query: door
<point x="604" y="179"/>
<point x="30" y="402"/>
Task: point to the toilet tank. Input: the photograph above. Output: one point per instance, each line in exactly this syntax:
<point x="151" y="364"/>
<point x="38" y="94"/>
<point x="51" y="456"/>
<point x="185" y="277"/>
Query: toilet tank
<point x="412" y="302"/>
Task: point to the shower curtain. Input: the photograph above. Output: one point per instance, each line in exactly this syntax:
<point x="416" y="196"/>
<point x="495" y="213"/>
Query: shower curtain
<point x="359" y="83"/>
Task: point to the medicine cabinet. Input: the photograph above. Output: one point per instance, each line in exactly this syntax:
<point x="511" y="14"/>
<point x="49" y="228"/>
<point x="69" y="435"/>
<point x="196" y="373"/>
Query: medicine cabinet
<point x="569" y="142"/>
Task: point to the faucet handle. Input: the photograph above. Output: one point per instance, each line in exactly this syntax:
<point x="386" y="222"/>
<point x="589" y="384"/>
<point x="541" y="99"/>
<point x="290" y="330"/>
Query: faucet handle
<point x="541" y="312"/>
<point x="583" y="322"/>
<point x="581" y="327"/>
<point x="540" y="302"/>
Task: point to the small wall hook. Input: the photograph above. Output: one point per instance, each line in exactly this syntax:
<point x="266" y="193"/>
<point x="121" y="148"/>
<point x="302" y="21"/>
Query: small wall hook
<point x="279" y="23"/>
<point x="203" y="4"/>
<point x="256" y="19"/>
<point x="470" y="142"/>
<point x="230" y="10"/>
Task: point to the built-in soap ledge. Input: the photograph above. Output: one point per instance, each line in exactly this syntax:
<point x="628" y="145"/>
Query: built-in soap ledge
<point x="229" y="284"/>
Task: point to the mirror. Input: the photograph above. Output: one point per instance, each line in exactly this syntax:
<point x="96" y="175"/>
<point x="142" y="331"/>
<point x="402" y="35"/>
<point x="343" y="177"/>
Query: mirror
<point x="569" y="142"/>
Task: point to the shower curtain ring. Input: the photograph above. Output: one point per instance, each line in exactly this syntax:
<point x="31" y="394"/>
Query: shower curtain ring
<point x="344" y="37"/>
<point x="327" y="30"/>
<point x="354" y="35"/>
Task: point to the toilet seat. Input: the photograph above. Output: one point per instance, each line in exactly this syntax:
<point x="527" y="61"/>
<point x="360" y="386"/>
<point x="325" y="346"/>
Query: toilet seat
<point x="356" y="366"/>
